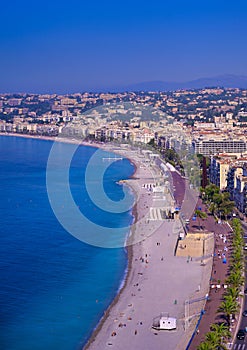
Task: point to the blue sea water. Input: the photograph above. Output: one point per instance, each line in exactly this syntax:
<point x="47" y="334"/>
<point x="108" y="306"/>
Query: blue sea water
<point x="54" y="288"/>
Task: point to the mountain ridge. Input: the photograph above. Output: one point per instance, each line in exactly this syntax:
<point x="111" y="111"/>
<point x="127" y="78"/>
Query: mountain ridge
<point x="225" y="80"/>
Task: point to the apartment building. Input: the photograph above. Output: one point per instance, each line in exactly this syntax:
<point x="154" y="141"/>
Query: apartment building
<point x="212" y="147"/>
<point x="219" y="168"/>
<point x="230" y="173"/>
<point x="237" y="185"/>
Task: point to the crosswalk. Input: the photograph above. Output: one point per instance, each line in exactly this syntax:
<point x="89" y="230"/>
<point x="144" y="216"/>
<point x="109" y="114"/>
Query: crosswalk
<point x="155" y="214"/>
<point x="239" y="347"/>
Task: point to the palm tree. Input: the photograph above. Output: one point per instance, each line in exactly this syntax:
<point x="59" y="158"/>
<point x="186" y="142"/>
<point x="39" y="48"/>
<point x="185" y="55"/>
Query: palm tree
<point x="205" y="346"/>
<point x="237" y="225"/>
<point x="238" y="242"/>
<point x="237" y="254"/>
<point x="222" y="330"/>
<point x="236" y="265"/>
<point x="229" y="307"/>
<point x="201" y="216"/>
<point x="235" y="279"/>
<point x="233" y="292"/>
<point x="213" y="339"/>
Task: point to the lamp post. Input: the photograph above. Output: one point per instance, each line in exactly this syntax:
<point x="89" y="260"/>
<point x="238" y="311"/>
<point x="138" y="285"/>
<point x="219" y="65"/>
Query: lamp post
<point x="186" y="314"/>
<point x="220" y="218"/>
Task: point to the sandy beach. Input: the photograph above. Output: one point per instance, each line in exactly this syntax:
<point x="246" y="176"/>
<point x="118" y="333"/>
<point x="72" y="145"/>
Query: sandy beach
<point x="157" y="281"/>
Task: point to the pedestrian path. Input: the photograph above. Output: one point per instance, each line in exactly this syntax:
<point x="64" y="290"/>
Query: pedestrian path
<point x="222" y="235"/>
<point x="155" y="214"/>
<point x="239" y="347"/>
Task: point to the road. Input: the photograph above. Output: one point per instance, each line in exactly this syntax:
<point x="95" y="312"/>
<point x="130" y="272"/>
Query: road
<point x="220" y="269"/>
<point x="242" y="344"/>
<point x="179" y="185"/>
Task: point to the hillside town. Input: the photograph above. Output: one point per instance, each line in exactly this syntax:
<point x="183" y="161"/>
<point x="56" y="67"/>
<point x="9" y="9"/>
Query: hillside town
<point x="212" y="121"/>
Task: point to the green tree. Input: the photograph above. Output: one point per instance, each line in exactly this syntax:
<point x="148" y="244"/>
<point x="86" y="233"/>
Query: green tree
<point x="201" y="216"/>
<point x="213" y="339"/>
<point x="213" y="208"/>
<point x="237" y="254"/>
<point x="226" y="207"/>
<point x="237" y="266"/>
<point x="222" y="330"/>
<point x="229" y="307"/>
<point x="235" y="279"/>
<point x="210" y="190"/>
<point x="233" y="292"/>
<point x="205" y="346"/>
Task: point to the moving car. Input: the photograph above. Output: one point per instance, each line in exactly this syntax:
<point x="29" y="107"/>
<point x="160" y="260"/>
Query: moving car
<point x="244" y="313"/>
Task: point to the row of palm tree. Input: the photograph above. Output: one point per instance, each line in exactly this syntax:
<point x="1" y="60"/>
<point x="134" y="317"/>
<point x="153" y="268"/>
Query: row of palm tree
<point x="220" y="333"/>
<point x="215" y="339"/>
<point x="218" y="202"/>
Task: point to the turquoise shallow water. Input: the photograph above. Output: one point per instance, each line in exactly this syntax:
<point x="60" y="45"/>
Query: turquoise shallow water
<point x="54" y="288"/>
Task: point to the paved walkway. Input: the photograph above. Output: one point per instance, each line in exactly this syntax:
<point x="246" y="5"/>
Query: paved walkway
<point x="222" y="233"/>
<point x="219" y="274"/>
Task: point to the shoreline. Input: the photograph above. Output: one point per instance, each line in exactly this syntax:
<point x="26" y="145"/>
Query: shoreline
<point x="101" y="322"/>
<point x="130" y="256"/>
<point x="173" y="282"/>
<point x="129" y="248"/>
<point x="55" y="139"/>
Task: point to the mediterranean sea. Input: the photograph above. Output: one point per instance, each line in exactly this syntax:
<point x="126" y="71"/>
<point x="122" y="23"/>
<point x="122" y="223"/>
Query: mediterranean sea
<point x="54" y="288"/>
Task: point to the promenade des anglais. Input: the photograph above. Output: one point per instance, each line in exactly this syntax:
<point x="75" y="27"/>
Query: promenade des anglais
<point x="123" y="171"/>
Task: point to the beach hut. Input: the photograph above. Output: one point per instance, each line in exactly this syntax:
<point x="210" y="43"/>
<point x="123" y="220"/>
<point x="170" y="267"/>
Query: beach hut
<point x="164" y="323"/>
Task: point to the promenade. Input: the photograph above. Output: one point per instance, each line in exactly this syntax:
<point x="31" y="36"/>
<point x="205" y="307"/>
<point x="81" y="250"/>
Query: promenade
<point x="222" y="233"/>
<point x="219" y="274"/>
<point x="157" y="282"/>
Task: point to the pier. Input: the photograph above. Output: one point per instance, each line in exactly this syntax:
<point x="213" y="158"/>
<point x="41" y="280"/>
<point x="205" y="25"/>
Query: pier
<point x="112" y="158"/>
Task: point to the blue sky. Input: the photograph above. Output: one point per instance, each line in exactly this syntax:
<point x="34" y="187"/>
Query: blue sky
<point x="70" y="46"/>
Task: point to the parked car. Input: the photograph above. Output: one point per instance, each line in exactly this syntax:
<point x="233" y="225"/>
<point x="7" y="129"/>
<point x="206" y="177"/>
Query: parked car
<point x="244" y="313"/>
<point x="241" y="334"/>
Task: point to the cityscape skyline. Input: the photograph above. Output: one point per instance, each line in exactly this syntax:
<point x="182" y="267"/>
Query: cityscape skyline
<point x="93" y="46"/>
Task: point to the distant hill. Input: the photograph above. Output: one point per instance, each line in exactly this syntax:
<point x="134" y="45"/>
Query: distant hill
<point x="227" y="81"/>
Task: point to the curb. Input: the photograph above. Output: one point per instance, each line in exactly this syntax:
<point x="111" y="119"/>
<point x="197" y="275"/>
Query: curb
<point x="239" y="320"/>
<point x="241" y="307"/>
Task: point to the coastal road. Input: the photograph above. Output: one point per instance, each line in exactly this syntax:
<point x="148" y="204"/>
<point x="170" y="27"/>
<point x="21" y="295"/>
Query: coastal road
<point x="242" y="344"/>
